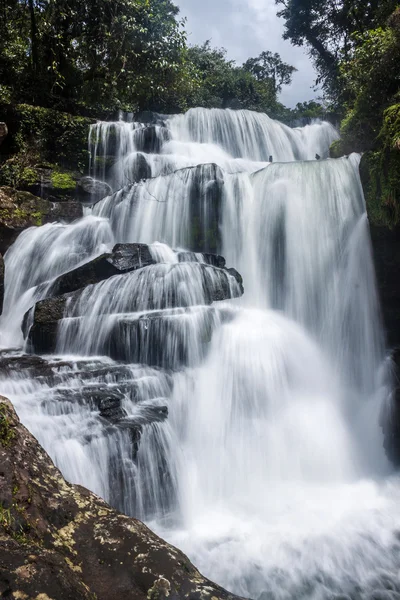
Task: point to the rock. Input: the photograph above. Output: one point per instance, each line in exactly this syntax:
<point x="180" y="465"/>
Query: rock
<point x="123" y="259"/>
<point x="92" y="190"/>
<point x="386" y="251"/>
<point x="129" y="257"/>
<point x="56" y="185"/>
<point x="59" y="541"/>
<point x="211" y="259"/>
<point x="20" y="210"/>
<point x="149" y="117"/>
<point x="139" y="169"/>
<point x="139" y="334"/>
<point x="43" y="333"/>
<point x="1" y="283"/>
<point x="151" y="139"/>
<point x="3" y="132"/>
<point x="206" y="189"/>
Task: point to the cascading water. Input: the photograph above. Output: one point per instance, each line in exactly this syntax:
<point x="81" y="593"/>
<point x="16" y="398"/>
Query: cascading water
<point x="260" y="453"/>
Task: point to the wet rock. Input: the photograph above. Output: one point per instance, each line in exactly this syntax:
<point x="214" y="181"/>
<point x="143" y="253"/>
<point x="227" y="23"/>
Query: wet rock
<point x="139" y="169"/>
<point x="60" y="541"/>
<point x="123" y="259"/>
<point x="92" y="190"/>
<point x="205" y="190"/>
<point x="43" y="333"/>
<point x="151" y="139"/>
<point x="129" y="257"/>
<point x="20" y="210"/>
<point x="149" y="117"/>
<point x="141" y="339"/>
<point x="109" y="406"/>
<point x="211" y="259"/>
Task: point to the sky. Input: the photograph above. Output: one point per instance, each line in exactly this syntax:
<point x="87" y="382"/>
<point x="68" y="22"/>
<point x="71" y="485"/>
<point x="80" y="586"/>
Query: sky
<point x="246" y="28"/>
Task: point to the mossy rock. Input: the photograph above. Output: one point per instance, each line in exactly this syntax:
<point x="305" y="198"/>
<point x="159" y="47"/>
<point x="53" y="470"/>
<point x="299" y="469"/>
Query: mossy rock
<point x="20" y="210"/>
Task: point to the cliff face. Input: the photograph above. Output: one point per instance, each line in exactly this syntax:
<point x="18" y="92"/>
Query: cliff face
<point x="61" y="542"/>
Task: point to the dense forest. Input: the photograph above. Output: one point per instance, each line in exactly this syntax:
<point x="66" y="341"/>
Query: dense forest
<point x="91" y="58"/>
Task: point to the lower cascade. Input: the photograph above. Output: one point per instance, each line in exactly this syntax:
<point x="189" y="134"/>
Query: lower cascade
<point x="203" y="349"/>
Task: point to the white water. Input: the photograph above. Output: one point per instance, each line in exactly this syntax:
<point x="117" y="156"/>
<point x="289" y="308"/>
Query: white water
<point x="269" y="471"/>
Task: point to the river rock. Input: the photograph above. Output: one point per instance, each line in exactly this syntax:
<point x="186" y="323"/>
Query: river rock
<point x="59" y="541"/>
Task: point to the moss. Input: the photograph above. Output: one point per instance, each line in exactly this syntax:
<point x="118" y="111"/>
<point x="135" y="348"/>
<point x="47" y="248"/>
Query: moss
<point x="380" y="172"/>
<point x="63" y="181"/>
<point x="7" y="433"/>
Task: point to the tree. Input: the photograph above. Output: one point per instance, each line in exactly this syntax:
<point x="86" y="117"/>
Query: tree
<point x="269" y="66"/>
<point x="326" y="28"/>
<point x="222" y="84"/>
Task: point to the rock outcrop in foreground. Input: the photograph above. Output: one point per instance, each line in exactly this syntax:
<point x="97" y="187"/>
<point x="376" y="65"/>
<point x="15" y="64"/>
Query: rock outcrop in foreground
<point x="61" y="542"/>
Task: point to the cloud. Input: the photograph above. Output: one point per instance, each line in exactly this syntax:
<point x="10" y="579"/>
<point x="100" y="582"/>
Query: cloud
<point x="246" y="28"/>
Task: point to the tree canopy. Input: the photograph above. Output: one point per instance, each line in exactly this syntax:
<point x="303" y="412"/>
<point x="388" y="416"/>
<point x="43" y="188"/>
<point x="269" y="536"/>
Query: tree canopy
<point x="100" y="55"/>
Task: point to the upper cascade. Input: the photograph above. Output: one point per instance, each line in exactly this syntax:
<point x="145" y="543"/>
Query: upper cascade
<point x="125" y="152"/>
<point x="253" y="136"/>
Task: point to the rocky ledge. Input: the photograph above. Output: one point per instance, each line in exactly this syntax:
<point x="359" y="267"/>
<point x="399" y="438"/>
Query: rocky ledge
<point x="59" y="541"/>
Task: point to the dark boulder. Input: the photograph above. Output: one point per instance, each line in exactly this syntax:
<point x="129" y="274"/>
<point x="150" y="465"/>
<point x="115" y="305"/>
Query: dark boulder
<point x="3" y="132"/>
<point x="123" y="259"/>
<point x="1" y="283"/>
<point x="386" y="252"/>
<point x="43" y="333"/>
<point x="60" y="541"/>
<point x="91" y="190"/>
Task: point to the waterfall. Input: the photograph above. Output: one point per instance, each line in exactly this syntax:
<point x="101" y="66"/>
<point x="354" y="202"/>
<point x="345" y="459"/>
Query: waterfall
<point x="242" y="428"/>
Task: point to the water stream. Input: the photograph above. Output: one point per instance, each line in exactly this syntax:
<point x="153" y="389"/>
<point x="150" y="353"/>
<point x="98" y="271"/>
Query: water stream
<point x="269" y="470"/>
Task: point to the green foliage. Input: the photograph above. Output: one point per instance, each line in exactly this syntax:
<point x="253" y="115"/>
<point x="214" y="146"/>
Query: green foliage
<point x="380" y="172"/>
<point x="372" y="81"/>
<point x="327" y="27"/>
<point x="94" y="57"/>
<point x="220" y="83"/>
